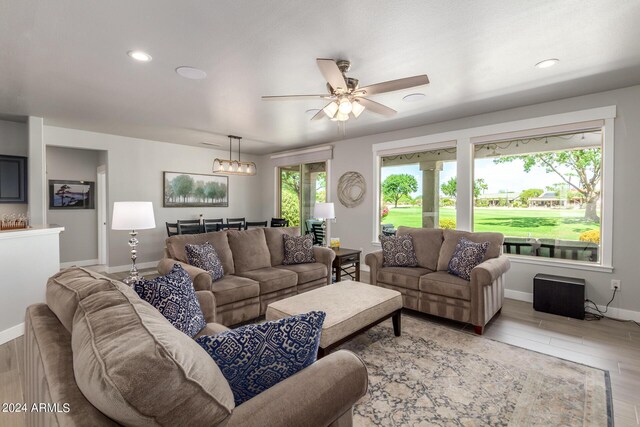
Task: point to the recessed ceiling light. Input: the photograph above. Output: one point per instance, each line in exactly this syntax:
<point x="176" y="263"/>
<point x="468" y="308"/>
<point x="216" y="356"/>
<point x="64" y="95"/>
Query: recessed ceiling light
<point x="312" y="111"/>
<point x="139" y="55"/>
<point x="191" y="73"/>
<point x="414" y="97"/>
<point x="547" y="63"/>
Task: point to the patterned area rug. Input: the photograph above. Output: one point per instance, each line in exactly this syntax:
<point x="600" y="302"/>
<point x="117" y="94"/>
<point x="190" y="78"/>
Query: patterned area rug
<point x="436" y="376"/>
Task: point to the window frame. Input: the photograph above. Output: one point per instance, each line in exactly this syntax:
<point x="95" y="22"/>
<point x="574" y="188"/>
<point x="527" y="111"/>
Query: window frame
<point x="466" y="139"/>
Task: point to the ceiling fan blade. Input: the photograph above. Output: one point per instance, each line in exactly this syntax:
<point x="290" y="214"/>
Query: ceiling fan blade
<point x="394" y="85"/>
<point x="319" y="115"/>
<point x="332" y="74"/>
<point x="377" y="107"/>
<point x="293" y="97"/>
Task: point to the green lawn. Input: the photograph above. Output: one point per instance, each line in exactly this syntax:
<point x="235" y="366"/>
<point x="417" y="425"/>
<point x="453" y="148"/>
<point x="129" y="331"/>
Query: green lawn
<point x="564" y="224"/>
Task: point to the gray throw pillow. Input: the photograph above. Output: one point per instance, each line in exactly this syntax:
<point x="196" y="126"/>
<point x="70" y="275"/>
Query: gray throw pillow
<point x="398" y="251"/>
<point x="298" y="249"/>
<point x="466" y="256"/>
<point x="205" y="257"/>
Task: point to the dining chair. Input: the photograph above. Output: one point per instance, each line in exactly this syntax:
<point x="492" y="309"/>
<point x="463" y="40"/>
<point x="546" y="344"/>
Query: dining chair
<point x="189" y="226"/>
<point x="279" y="222"/>
<point x="254" y="224"/>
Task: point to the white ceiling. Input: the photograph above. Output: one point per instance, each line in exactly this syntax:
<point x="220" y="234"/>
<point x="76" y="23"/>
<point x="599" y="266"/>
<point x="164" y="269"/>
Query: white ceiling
<point x="66" y="61"/>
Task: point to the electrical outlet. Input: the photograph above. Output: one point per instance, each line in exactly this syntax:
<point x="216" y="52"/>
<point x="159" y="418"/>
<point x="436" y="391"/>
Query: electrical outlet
<point x="615" y="284"/>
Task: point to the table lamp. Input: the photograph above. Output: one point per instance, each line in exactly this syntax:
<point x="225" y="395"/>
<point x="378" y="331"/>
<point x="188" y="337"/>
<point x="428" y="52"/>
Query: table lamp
<point x="324" y="211"/>
<point x="132" y="216"/>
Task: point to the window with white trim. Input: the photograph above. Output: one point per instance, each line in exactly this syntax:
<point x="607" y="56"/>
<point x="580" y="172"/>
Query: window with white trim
<point x="543" y="193"/>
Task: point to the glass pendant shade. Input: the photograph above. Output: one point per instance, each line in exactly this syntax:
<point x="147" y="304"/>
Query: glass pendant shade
<point x="331" y="109"/>
<point x="345" y="106"/>
<point x="356" y="109"/>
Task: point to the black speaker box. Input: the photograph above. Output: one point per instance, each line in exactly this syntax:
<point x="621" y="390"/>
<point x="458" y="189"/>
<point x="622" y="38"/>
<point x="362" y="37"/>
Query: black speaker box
<point x="559" y="295"/>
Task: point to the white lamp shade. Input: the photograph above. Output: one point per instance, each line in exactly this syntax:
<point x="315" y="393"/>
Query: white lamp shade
<point x="132" y="216"/>
<point x="324" y="211"/>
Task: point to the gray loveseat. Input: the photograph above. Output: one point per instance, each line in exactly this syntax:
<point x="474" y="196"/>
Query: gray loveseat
<point x="430" y="289"/>
<point x="253" y="272"/>
<point x="98" y="355"/>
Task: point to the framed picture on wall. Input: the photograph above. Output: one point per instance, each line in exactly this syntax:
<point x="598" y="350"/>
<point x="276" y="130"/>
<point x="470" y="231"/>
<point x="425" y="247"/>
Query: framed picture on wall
<point x="182" y="190"/>
<point x="71" y="194"/>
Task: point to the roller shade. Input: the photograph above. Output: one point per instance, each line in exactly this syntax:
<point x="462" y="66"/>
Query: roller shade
<point x="306" y="155"/>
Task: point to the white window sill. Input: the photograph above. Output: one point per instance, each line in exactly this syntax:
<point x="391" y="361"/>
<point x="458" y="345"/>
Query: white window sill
<point x="559" y="263"/>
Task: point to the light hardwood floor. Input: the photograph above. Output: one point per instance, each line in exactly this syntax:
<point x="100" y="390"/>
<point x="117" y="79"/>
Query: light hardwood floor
<point x="604" y="344"/>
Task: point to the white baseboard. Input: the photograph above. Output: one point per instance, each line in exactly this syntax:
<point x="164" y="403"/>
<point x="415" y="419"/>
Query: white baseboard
<point x="518" y="295"/>
<point x="616" y="313"/>
<point x="121" y="268"/>
<point x="11" y="333"/>
<point x="83" y="263"/>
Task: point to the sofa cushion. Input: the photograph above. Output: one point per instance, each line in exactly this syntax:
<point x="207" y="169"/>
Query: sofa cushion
<point x="250" y="250"/>
<point x="405" y="277"/>
<point x="272" y="279"/>
<point x="445" y="284"/>
<point x="174" y="297"/>
<point x="451" y="238"/>
<point x="276" y="243"/>
<point x="218" y="239"/>
<point x="255" y="357"/>
<point x="426" y="244"/>
<point x="398" y="251"/>
<point x="467" y="255"/>
<point x="66" y="288"/>
<point x="298" y="249"/>
<point x="137" y="369"/>
<point x="206" y="258"/>
<point x="232" y="288"/>
<point x="307" y="272"/>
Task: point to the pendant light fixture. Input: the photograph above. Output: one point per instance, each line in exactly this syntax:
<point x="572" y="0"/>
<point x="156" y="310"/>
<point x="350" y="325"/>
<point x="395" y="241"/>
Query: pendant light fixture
<point x="234" y="167"/>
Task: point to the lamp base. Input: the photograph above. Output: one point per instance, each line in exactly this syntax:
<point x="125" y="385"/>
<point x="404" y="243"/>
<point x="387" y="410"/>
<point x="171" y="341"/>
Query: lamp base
<point x="133" y="276"/>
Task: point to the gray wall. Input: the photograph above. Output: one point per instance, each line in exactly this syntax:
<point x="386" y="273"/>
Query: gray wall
<point x="354" y="226"/>
<point x="13" y="142"/>
<point x="134" y="173"/>
<point x="79" y="240"/>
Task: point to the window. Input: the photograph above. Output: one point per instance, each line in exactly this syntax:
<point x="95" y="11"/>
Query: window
<point x="543" y="193"/>
<point x="301" y="187"/>
<point x="418" y="189"/>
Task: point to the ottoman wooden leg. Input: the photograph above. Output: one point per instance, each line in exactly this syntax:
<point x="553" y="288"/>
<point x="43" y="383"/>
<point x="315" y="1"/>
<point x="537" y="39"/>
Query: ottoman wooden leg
<point x="478" y="329"/>
<point x="397" y="323"/>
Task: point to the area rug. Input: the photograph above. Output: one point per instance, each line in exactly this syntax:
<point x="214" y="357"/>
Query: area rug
<point x="436" y="376"/>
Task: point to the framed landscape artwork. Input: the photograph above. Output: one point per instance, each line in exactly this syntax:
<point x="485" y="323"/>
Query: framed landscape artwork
<point x="183" y="190"/>
<point x="71" y="194"/>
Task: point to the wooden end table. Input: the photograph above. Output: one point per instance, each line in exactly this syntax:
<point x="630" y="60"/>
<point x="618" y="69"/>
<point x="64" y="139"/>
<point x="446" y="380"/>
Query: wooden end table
<point x="344" y="259"/>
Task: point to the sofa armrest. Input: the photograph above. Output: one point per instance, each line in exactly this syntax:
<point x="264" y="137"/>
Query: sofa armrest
<point x="201" y="279"/>
<point x="325" y="256"/>
<point x="207" y="302"/>
<point x="486" y="272"/>
<point x="374" y="260"/>
<point x="315" y="396"/>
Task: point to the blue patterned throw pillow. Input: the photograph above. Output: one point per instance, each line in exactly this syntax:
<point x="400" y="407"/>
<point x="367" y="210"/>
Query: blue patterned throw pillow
<point x="255" y="357"/>
<point x="173" y="295"/>
<point x="398" y="251"/>
<point x="466" y="256"/>
<point x="205" y="257"/>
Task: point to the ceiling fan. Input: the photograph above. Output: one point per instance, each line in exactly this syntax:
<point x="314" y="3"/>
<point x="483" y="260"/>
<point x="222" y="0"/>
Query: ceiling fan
<point x="346" y="98"/>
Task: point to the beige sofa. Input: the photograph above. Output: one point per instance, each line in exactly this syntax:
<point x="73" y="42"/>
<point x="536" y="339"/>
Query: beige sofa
<point x="429" y="288"/>
<point x="253" y="272"/>
<point x="98" y="355"/>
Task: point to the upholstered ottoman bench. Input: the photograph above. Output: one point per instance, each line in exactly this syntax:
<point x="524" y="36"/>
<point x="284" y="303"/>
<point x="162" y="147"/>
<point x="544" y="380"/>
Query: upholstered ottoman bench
<point x="351" y="308"/>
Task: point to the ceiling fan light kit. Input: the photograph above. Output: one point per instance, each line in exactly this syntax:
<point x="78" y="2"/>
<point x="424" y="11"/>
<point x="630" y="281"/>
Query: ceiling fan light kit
<point x="234" y="167"/>
<point x="347" y="98"/>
